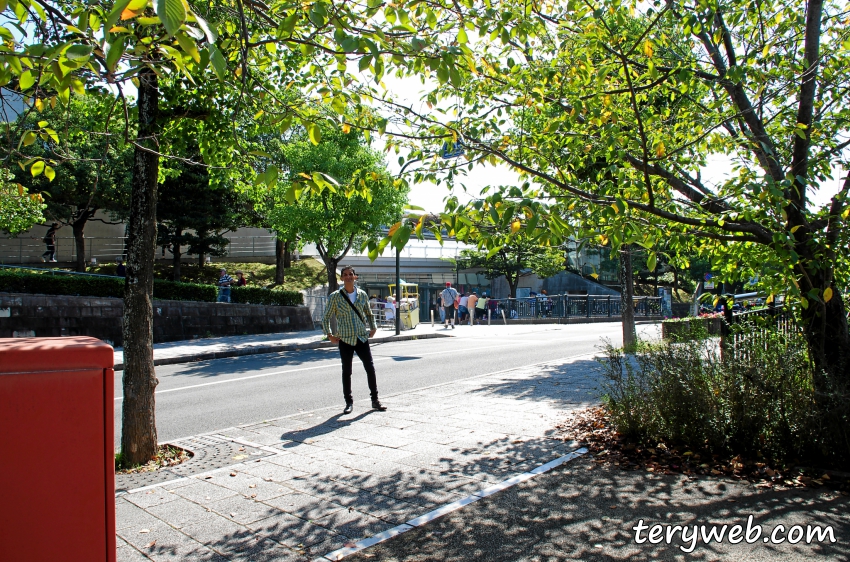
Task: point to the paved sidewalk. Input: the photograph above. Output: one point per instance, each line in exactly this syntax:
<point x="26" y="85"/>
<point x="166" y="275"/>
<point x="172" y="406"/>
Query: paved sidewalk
<point x="580" y="511"/>
<point x="233" y="346"/>
<point x="335" y="479"/>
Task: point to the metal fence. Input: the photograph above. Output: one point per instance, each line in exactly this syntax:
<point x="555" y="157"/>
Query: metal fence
<point x="753" y="330"/>
<point x="574" y="306"/>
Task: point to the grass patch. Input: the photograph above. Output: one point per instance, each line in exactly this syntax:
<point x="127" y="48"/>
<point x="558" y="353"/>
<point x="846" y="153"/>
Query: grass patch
<point x="166" y="456"/>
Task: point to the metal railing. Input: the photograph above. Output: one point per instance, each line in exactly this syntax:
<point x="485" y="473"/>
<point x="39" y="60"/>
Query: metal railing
<point x="752" y="329"/>
<point x="573" y="306"/>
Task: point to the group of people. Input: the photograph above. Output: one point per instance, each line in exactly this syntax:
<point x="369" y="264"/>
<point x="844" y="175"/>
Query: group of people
<point x="453" y="305"/>
<point x="225" y="282"/>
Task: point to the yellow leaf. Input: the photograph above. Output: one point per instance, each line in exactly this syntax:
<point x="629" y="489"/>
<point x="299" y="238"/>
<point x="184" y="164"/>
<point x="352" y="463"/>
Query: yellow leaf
<point x="603" y="239"/>
<point x="515" y="226"/>
<point x="796" y="228"/>
<point x="647" y="48"/>
<point x="827" y="294"/>
<point x="393" y="228"/>
<point x="660" y="149"/>
<point x="346" y="128"/>
<point x="595" y="275"/>
<point x="39" y="104"/>
<point x="20" y="190"/>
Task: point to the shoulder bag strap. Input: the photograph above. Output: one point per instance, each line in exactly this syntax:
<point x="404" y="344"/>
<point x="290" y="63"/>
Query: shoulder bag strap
<point x="351" y="304"/>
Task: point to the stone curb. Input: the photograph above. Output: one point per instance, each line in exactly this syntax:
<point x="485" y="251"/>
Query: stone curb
<point x="272" y="348"/>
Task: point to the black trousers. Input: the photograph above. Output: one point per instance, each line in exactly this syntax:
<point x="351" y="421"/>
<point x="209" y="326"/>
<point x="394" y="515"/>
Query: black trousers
<point x="346" y="353"/>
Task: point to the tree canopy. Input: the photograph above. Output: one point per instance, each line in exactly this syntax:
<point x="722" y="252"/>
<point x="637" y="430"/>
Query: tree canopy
<point x="651" y="95"/>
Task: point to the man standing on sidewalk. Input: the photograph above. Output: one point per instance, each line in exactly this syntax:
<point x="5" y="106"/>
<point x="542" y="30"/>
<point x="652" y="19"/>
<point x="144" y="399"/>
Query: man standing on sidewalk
<point x="355" y="325"/>
<point x="448" y="296"/>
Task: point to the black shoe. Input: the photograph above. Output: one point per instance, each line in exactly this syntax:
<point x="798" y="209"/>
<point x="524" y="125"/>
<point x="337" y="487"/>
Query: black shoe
<point x="348" y="408"/>
<point x="376" y="405"/>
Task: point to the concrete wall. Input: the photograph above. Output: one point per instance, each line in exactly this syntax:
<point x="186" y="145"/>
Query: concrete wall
<point x="23" y="315"/>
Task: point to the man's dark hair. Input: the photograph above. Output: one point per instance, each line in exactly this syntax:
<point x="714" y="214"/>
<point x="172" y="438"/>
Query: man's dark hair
<point x="346" y="268"/>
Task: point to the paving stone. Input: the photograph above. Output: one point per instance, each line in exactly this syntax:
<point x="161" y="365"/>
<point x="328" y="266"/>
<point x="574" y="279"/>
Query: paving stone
<point x="293" y="531"/>
<point x="162" y="542"/>
<point x="273" y="472"/>
<point x="150" y="498"/>
<point x="305" y="506"/>
<point x="127" y="553"/>
<point x="179" y="513"/>
<point x="129" y="515"/>
<point x="204" y="493"/>
<point x="354" y="524"/>
<point x="242" y="510"/>
<point x="220" y="534"/>
<point x="263" y="550"/>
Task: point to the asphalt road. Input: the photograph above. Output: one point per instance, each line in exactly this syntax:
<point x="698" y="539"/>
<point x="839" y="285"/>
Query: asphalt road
<point x="205" y="396"/>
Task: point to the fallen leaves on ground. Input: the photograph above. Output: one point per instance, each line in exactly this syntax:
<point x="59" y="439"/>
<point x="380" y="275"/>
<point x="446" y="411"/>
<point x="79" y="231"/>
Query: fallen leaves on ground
<point x="592" y="429"/>
<point x="166" y="456"/>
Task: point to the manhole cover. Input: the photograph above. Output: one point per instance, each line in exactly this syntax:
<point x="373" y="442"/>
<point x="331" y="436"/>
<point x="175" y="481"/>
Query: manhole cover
<point x="210" y="452"/>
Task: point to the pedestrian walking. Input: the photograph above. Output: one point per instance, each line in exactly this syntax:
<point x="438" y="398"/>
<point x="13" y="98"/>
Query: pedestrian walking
<point x="240" y="278"/>
<point x="121" y="269"/>
<point x="462" y="310"/>
<point x="448" y="297"/>
<point x="355" y="325"/>
<point x="224" y="283"/>
<point x="50" y="242"/>
<point x="470" y="305"/>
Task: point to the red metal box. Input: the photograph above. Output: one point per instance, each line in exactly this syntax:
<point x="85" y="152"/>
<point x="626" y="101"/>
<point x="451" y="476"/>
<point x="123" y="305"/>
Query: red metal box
<point x="57" y="467"/>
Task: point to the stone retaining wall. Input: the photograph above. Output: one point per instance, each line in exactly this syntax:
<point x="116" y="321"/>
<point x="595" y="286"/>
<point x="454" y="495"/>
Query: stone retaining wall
<point x="23" y="315"/>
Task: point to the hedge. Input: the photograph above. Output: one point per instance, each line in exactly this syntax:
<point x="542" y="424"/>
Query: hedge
<point x="83" y="285"/>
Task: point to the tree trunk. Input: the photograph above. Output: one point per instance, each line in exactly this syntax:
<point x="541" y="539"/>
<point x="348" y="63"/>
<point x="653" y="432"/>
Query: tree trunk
<point x="627" y="311"/>
<point x="330" y="264"/>
<point x="279" y="262"/>
<point x="512" y="286"/>
<point x="175" y="253"/>
<point x="138" y="421"/>
<point x="826" y="331"/>
<point x="78" y="227"/>
<point x="675" y="283"/>
<point x="287" y="254"/>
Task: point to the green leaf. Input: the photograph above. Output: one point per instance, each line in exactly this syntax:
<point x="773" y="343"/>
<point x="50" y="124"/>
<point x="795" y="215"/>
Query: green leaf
<point x="49" y="173"/>
<point x="114" y="51"/>
<point x="271" y="175"/>
<point x="37" y="168"/>
<point x="651" y="261"/>
<point x="210" y="32"/>
<point x="218" y="62"/>
<point x="115" y="14"/>
<point x="28" y="138"/>
<point x="26" y="80"/>
<point x="314" y="133"/>
<point x="442" y="74"/>
<point x="188" y="45"/>
<point x="78" y="53"/>
<point x="172" y="13"/>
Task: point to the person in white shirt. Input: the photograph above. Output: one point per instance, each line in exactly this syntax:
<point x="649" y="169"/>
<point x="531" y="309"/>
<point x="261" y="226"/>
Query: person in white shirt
<point x="448" y="297"/>
<point x="463" y="308"/>
<point x="389" y="309"/>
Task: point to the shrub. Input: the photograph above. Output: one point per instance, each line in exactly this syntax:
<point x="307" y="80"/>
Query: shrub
<point x="762" y="402"/>
<point x="256" y="295"/>
<point x="91" y="286"/>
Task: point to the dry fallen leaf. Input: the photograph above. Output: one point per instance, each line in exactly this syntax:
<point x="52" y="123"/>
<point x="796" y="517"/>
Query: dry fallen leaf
<point x="233" y="515"/>
<point x="233" y="474"/>
<point x="145" y="531"/>
<point x="252" y="486"/>
<point x="150" y="544"/>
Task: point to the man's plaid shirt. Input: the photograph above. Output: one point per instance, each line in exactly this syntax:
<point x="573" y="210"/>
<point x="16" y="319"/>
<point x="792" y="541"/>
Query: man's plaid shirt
<point x="349" y="326"/>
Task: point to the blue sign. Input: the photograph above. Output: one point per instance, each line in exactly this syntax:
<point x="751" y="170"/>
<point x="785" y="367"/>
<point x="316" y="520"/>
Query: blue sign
<point x="708" y="276"/>
<point x="451" y="150"/>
